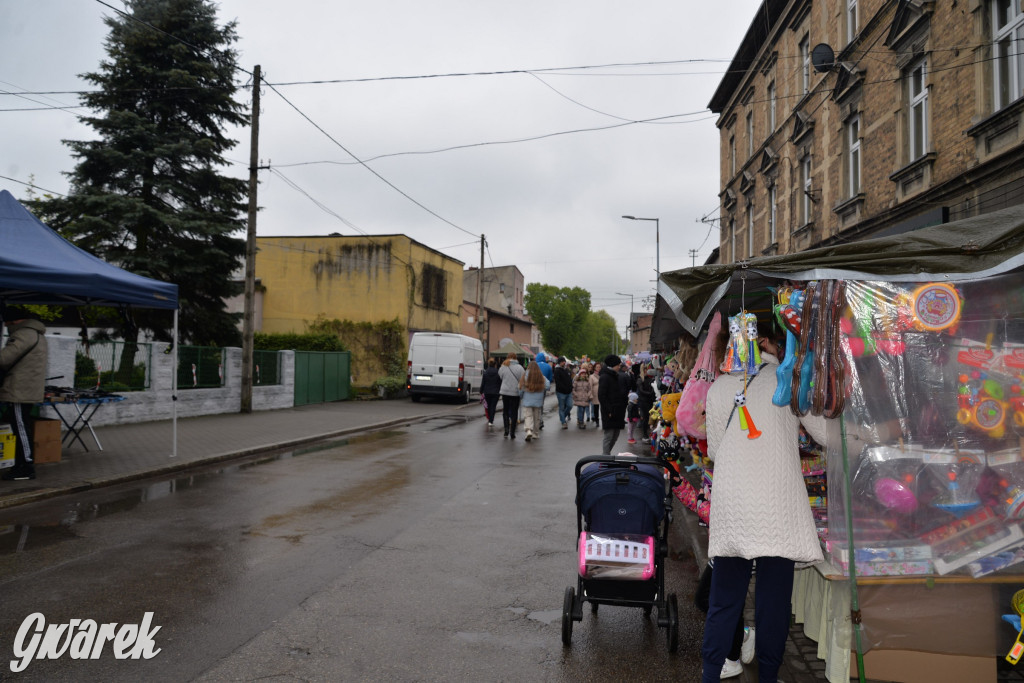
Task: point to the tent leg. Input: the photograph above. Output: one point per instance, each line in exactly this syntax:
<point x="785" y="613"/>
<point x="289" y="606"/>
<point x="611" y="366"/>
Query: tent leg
<point x="174" y="390"/>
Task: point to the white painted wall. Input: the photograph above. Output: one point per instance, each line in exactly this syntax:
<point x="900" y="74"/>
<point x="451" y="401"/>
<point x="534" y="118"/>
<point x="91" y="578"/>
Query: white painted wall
<point x="155" y="403"/>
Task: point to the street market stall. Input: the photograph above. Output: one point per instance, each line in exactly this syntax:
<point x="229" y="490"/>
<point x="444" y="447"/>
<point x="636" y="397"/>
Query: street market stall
<point x="38" y="266"/>
<point x="915" y="344"/>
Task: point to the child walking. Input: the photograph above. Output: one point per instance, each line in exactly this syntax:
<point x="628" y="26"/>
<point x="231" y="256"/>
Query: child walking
<point x="581" y="396"/>
<point x="632" y="415"/>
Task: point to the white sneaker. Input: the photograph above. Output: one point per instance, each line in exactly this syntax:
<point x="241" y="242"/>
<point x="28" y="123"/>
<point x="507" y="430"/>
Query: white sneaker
<point x="731" y="668"/>
<point x="747" y="651"/>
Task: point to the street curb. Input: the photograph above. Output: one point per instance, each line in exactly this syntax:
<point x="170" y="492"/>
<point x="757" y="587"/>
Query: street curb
<point x="16" y="499"/>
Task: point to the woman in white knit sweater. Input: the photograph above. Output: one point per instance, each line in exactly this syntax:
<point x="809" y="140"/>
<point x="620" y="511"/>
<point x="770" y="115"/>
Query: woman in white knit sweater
<point x="759" y="511"/>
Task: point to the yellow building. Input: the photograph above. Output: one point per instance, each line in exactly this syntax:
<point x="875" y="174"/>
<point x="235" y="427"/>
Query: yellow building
<point x="362" y="279"/>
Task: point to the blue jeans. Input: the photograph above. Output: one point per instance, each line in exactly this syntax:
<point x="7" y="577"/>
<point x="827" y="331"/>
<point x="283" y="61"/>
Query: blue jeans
<point x="564" y="407"/>
<point x="581" y="413"/>
<point x="772" y="594"/>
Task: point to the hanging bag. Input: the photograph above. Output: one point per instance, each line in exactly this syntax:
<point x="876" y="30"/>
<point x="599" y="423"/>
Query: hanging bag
<point x="690" y="418"/>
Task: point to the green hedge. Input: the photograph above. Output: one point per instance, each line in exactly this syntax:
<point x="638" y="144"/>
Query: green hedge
<point x="297" y="342"/>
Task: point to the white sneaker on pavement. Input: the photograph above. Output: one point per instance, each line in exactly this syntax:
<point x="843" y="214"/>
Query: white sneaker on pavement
<point x="747" y="651"/>
<point x="731" y="668"/>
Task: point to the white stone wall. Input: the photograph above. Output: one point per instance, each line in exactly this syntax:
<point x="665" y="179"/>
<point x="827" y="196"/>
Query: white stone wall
<point x="156" y="404"/>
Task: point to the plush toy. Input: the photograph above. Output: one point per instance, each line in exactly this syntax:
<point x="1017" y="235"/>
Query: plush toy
<point x="669" y="404"/>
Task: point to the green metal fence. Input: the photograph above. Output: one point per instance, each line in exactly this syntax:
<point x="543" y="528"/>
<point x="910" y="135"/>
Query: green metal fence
<point x="101" y="365"/>
<point x="321" y="377"/>
<point x="266" y="369"/>
<point x="201" y="367"/>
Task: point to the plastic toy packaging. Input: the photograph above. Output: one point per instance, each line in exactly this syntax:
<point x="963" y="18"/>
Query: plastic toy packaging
<point x="743" y="354"/>
<point x="627" y="557"/>
<point x="889" y="476"/>
<point x="1002" y="485"/>
<point x="956" y="478"/>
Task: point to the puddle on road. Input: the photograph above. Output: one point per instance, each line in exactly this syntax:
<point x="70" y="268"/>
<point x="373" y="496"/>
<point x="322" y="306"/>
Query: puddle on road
<point x="549" y="616"/>
<point x="434" y="424"/>
<point x="37" y="526"/>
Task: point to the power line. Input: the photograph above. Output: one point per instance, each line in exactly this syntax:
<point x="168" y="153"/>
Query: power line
<point x="366" y="166"/>
<point x="499" y="142"/>
<point x="33" y="186"/>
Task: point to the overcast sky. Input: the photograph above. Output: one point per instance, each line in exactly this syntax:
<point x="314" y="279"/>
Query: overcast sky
<point x="551" y="206"/>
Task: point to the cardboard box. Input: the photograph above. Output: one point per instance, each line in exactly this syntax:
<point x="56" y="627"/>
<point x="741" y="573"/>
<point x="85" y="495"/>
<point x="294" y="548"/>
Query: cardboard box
<point x="6" y="446"/>
<point x="924" y="667"/>
<point x="46" y="440"/>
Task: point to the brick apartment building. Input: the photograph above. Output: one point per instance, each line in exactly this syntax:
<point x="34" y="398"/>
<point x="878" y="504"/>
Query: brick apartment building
<point x="917" y="119"/>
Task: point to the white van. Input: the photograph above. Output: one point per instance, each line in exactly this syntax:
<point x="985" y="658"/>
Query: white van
<point x="444" y="364"/>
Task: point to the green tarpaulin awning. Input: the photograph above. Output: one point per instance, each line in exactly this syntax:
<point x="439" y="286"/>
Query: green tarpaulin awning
<point x="968" y="249"/>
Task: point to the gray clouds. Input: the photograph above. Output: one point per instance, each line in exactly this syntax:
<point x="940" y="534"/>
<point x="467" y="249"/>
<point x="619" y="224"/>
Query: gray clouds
<point x="551" y="206"/>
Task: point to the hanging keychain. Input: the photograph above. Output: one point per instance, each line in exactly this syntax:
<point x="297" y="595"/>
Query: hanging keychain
<point x="747" y="322"/>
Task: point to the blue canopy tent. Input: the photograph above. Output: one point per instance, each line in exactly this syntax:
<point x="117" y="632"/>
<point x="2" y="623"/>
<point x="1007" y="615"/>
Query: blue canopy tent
<point x="38" y="266"/>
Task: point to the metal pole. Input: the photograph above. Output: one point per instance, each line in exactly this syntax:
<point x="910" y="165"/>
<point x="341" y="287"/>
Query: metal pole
<point x="657" y="255"/>
<point x="657" y="247"/>
<point x="479" y="289"/>
<point x="248" y="325"/>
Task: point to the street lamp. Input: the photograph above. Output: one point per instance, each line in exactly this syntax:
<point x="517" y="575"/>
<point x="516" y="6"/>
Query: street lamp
<point x="630" y="325"/>
<point x="657" y="247"/>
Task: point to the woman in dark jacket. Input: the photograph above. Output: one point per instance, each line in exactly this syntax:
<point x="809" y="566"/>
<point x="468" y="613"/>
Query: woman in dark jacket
<point x="490" y="388"/>
<point x="613" y="390"/>
<point x="645" y="392"/>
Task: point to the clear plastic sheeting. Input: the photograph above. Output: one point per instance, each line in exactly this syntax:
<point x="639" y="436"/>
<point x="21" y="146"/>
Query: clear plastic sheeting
<point x="626" y="557"/>
<point x="934" y="418"/>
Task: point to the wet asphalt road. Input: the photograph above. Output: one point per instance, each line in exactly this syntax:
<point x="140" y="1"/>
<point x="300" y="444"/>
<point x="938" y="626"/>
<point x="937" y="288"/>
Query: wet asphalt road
<point x="436" y="551"/>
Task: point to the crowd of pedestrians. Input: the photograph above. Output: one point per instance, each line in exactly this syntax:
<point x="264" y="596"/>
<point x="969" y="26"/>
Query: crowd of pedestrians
<point x="610" y="395"/>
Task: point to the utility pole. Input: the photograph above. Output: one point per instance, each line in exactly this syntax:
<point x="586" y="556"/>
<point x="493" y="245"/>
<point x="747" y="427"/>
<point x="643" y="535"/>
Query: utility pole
<point x="250" y="250"/>
<point x="479" y="290"/>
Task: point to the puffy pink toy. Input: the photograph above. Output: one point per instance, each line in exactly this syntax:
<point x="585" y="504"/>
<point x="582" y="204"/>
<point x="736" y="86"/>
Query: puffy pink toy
<point x="895" y="495"/>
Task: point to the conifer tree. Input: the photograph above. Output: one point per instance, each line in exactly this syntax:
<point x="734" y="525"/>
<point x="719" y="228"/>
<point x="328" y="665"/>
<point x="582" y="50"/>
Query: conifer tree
<point x="148" y="193"/>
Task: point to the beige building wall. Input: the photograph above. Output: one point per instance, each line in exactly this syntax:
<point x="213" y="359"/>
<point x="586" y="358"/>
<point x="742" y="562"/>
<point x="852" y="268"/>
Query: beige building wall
<point x="363" y="279"/>
<point x="971" y="161"/>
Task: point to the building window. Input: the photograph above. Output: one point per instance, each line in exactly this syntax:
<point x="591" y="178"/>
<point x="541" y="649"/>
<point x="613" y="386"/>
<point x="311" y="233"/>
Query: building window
<point x="853" y="156"/>
<point x="732" y="155"/>
<point x="805" y="190"/>
<point x="771" y="107"/>
<point x="851" y="20"/>
<point x="750" y="230"/>
<point x="750" y="134"/>
<point x="732" y="238"/>
<point x="918" y="114"/>
<point x="773" y="214"/>
<point x="1008" y="34"/>
<point x="805" y="65"/>
<point x="501" y="287"/>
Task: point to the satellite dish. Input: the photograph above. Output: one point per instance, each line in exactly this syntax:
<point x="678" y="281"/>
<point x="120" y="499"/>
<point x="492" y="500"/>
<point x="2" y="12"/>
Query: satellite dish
<point x="823" y="58"/>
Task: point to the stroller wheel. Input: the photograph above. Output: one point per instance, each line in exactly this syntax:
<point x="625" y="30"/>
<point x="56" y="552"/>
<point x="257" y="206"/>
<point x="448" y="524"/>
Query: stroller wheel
<point x="567" y="605"/>
<point x="672" y="635"/>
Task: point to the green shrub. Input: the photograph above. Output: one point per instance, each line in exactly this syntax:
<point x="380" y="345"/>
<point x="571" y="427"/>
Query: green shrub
<point x="297" y="342"/>
<point x="392" y="385"/>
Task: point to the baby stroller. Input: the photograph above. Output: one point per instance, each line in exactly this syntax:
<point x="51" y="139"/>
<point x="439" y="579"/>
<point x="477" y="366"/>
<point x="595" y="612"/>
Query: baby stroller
<point x="623" y="511"/>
